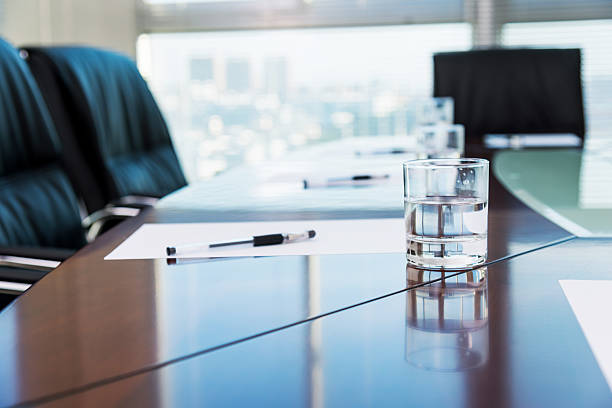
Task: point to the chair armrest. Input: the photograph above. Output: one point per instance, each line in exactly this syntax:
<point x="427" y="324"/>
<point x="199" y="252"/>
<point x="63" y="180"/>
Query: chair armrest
<point x="20" y="267"/>
<point x="135" y="201"/>
<point x="94" y="223"/>
<point x="13" y="288"/>
<point x="51" y="254"/>
<point x="29" y="265"/>
<point x="109" y="213"/>
<point x="22" y="262"/>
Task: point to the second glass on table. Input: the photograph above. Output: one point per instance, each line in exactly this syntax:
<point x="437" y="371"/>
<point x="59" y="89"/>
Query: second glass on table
<point x="440" y="141"/>
<point x="446" y="212"/>
<point x="434" y="111"/>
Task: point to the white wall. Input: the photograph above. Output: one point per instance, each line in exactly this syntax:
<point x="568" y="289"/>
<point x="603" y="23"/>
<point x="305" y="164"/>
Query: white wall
<point x="103" y="23"/>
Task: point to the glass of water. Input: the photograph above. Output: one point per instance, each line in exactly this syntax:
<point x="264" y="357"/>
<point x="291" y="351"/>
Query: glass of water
<point x="445" y="204"/>
<point x="432" y="111"/>
<point x="440" y="141"/>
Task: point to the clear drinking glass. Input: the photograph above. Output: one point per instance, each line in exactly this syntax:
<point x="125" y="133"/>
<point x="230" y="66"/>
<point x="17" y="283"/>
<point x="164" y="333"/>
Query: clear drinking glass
<point x="440" y="141"/>
<point x="432" y="111"/>
<point x="445" y="212"/>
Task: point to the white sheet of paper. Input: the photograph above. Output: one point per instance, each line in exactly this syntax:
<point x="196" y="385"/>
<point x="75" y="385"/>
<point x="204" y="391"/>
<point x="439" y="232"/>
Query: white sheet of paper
<point x="385" y="235"/>
<point x="591" y="302"/>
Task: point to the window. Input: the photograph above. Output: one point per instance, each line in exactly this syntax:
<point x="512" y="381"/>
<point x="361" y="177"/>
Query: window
<point x="188" y="1"/>
<point x="248" y="80"/>
<point x="246" y="96"/>
<point x="206" y="15"/>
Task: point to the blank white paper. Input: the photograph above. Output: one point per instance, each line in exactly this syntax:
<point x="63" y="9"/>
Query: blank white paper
<point x="591" y="302"/>
<point x="385" y="235"/>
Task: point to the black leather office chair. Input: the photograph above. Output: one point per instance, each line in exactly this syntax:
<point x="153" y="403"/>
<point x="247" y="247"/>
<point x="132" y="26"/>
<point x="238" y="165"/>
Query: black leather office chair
<point x="38" y="206"/>
<point x="40" y="217"/>
<point x="512" y="91"/>
<point x="103" y="107"/>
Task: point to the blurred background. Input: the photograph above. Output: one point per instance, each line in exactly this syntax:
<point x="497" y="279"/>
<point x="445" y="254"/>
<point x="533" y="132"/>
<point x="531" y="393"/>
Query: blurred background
<point x="245" y="81"/>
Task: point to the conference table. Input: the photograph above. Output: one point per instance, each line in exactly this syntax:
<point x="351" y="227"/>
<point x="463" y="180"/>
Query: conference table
<point x="320" y="330"/>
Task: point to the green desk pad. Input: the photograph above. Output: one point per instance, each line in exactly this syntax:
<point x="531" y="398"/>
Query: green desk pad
<point x="570" y="187"/>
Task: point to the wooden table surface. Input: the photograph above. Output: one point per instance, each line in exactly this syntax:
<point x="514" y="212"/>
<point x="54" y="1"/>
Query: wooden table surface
<point x="298" y="330"/>
<point x="529" y="352"/>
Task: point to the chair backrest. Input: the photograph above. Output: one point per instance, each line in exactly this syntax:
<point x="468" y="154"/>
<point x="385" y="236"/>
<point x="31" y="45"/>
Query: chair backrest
<point x="38" y="206"/>
<point x="112" y="119"/>
<point x="510" y="91"/>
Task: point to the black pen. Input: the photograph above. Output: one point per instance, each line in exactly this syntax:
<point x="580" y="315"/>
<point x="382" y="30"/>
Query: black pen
<point x="343" y="181"/>
<point x="258" y="240"/>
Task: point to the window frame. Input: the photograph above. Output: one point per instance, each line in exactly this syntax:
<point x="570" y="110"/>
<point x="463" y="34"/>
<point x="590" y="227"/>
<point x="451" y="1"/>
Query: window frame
<point x="270" y="14"/>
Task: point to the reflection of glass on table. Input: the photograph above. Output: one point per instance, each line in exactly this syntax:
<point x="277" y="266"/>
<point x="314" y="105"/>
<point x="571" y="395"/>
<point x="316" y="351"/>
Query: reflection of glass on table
<point x="447" y="321"/>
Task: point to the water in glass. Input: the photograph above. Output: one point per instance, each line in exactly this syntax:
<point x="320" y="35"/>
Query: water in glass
<point x="446" y="232"/>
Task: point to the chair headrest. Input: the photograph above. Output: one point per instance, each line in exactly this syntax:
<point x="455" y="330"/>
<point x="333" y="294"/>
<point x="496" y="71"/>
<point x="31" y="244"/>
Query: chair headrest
<point x="27" y="133"/>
